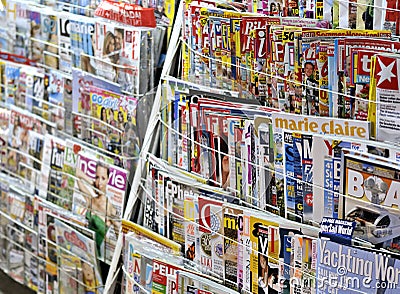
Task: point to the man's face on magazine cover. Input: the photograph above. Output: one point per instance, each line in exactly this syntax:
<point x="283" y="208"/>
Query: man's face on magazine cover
<point x="118" y="40"/>
<point x="308" y="69"/>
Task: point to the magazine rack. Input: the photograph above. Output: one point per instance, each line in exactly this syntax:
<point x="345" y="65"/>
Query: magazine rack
<point x="150" y="136"/>
<point x="45" y="117"/>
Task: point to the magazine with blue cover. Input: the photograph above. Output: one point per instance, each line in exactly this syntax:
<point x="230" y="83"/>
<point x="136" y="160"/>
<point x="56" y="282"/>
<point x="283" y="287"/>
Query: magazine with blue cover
<point x="344" y="269"/>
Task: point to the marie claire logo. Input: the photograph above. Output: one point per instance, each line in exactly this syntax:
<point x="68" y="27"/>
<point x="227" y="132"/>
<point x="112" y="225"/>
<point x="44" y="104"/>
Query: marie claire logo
<point x="74" y="239"/>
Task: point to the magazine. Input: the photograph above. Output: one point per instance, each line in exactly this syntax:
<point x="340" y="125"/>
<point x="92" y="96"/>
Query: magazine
<point x="83" y="247"/>
<point x="114" y="125"/>
<point x="23" y="30"/>
<point x="82" y="43"/>
<point x="376" y="267"/>
<point x="70" y="274"/>
<point x="211" y="244"/>
<point x="64" y="42"/>
<point x="15" y="252"/>
<point x="20" y="124"/>
<point x="99" y="195"/>
<point x="46" y="38"/>
<point x="370" y="188"/>
<point x="387" y="95"/>
<point x="259" y="253"/>
<point x="81" y="83"/>
<point x="56" y="104"/>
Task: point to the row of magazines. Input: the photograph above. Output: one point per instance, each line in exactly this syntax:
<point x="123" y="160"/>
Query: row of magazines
<point x="206" y="243"/>
<point x="278" y="164"/>
<point x="60" y="39"/>
<point x="73" y="98"/>
<point x="290" y="165"/>
<point x="293" y="64"/>
<point x="45" y="247"/>
<point x="75" y="176"/>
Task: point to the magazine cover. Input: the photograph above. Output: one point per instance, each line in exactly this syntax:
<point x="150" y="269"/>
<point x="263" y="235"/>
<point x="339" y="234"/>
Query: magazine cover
<point x="4" y="125"/>
<point x="108" y="122"/>
<point x="132" y="262"/>
<point x="48" y="229"/>
<point x="99" y="194"/>
<point x="387" y="68"/>
<point x="392" y="20"/>
<point x="322" y="66"/>
<point x="262" y="248"/>
<point x="309" y="273"/>
<point x="118" y="52"/>
<point x="56" y="193"/>
<point x="284" y="274"/>
<point x="307" y="177"/>
<point x="164" y="212"/>
<point x="245" y="249"/>
<point x="36" y="143"/>
<point x="64" y="42"/>
<point x="82" y="43"/>
<point x="18" y="140"/>
<point x="23" y="30"/>
<point x="274" y="253"/>
<point x="298" y="173"/>
<point x="114" y="125"/>
<point x="69" y="168"/>
<point x="46" y="36"/>
<point x="211" y="244"/>
<point x="191" y="214"/>
<point x="79" y="245"/>
<point x="81" y="83"/>
<point x="31" y="91"/>
<point x="55" y="90"/>
<point x="259" y="253"/>
<point x="290" y="180"/>
<point x="326" y="171"/>
<point x="3" y="243"/>
<point x="16" y="204"/>
<point x="150" y="209"/>
<point x="45" y="167"/>
<point x="374" y="269"/>
<point x="164" y="277"/>
<point x="230" y="251"/>
<point x="370" y="187"/>
<point x="68" y="121"/>
<point x="11" y="75"/>
<point x="15" y="252"/>
<point x="174" y="193"/>
<point x="31" y="274"/>
<point x="8" y="26"/>
<point x="310" y="79"/>
<point x="70" y="274"/>
<point x="116" y="190"/>
<point x="231" y="246"/>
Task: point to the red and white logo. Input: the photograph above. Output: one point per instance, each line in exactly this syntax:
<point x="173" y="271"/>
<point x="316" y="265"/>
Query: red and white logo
<point x="386" y="71"/>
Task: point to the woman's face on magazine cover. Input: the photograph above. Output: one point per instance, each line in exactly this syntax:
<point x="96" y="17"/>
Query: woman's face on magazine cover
<point x="103" y="114"/>
<point x="87" y="272"/>
<point x="263" y="261"/>
<point x="120" y="117"/>
<point x="111" y="46"/>
<point x="101" y="179"/>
